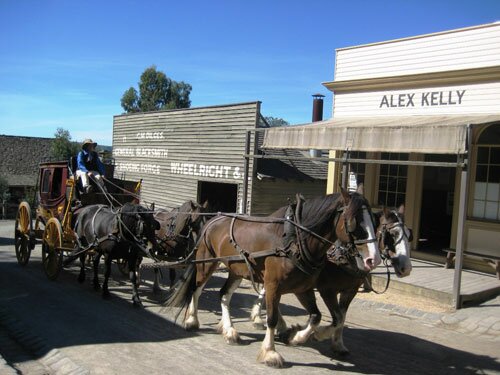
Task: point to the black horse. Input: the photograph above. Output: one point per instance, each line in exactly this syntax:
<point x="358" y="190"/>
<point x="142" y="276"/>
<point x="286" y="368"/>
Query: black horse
<point x="127" y="233"/>
<point x="178" y="233"/>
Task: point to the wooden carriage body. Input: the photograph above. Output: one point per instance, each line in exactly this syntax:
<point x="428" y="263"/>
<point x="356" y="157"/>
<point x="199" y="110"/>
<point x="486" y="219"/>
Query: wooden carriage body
<point x="59" y="196"/>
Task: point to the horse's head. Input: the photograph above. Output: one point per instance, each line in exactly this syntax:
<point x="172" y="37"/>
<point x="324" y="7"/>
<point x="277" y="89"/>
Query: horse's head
<point x="140" y="223"/>
<point x="197" y="217"/>
<point x="190" y="219"/>
<point x="394" y="239"/>
<point x="356" y="227"/>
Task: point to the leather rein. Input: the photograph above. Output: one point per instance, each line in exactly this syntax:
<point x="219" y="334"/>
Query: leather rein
<point x="302" y="258"/>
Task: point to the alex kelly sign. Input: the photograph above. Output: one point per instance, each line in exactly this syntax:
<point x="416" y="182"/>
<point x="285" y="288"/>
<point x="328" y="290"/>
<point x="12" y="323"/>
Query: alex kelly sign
<point x="423" y="99"/>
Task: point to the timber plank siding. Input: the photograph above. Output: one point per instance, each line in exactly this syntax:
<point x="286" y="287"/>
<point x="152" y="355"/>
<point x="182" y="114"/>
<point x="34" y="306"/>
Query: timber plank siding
<point x="467" y="48"/>
<point x="173" y="150"/>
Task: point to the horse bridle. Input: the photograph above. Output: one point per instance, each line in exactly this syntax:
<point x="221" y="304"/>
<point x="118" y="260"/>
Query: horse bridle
<point x="353" y="240"/>
<point x="385" y="233"/>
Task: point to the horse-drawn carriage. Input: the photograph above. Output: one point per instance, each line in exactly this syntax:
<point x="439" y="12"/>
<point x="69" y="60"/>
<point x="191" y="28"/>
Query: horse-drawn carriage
<point x="59" y="195"/>
<point x="286" y="252"/>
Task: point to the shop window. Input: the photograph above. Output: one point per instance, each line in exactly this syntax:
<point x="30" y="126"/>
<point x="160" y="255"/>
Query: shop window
<point x="392" y="181"/>
<point x="487" y="184"/>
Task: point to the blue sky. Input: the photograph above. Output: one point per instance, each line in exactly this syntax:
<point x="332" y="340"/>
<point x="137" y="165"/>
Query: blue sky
<point x="67" y="63"/>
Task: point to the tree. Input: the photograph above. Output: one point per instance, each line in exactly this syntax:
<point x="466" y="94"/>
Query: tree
<point x="276" y="121"/>
<point x="130" y="101"/>
<point x="156" y="91"/>
<point x="62" y="147"/>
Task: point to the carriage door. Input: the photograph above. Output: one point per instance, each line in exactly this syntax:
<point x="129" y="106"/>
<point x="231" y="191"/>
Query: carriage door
<point x="221" y="197"/>
<point x="436" y="212"/>
<point x="45" y="184"/>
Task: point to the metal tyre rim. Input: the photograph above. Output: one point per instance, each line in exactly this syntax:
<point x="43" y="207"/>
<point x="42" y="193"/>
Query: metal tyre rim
<point x="52" y="255"/>
<point x="22" y="232"/>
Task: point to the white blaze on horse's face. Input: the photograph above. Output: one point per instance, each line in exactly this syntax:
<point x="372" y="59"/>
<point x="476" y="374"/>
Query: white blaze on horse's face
<point x="371" y="257"/>
<point x="401" y="262"/>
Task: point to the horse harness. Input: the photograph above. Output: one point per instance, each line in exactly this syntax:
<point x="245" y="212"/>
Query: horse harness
<point x="293" y="247"/>
<point x="119" y="227"/>
<point x="384" y="236"/>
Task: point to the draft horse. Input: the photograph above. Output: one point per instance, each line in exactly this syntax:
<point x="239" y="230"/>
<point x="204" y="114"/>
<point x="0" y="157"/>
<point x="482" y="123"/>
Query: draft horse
<point x="178" y="233"/>
<point x="127" y="233"/>
<point x="283" y="266"/>
<point x="338" y="284"/>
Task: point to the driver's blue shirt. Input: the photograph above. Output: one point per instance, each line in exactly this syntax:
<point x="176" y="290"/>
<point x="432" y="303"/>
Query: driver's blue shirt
<point x="86" y="160"/>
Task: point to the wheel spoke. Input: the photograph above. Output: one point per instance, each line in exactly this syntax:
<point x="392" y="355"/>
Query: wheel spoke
<point x="52" y="258"/>
<point x="22" y="234"/>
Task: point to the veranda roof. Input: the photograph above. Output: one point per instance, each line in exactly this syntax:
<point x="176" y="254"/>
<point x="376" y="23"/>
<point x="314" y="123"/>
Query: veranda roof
<point x="437" y="134"/>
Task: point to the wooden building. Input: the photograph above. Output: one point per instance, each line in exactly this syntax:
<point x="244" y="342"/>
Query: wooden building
<point x="198" y="154"/>
<point x="421" y="116"/>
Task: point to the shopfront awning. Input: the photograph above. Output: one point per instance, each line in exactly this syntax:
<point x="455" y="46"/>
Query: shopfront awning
<point x="437" y="134"/>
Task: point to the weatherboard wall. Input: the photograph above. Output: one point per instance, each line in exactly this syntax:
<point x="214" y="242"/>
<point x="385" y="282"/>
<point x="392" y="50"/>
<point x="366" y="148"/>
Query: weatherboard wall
<point x="173" y="150"/>
<point x="468" y="48"/>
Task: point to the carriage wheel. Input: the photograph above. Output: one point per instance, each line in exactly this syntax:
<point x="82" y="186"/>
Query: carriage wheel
<point x="122" y="265"/>
<point x="52" y="254"/>
<point x="22" y="232"/>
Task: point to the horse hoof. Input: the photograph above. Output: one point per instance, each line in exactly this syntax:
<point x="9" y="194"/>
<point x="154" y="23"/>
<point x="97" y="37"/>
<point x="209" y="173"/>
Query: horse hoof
<point x="288" y="336"/>
<point x="106" y="295"/>
<point x="271" y="358"/>
<point x="191" y="324"/>
<point x="138" y="304"/>
<point x="97" y="287"/>
<point x="231" y="336"/>
<point x="81" y="279"/>
<point x="340" y="350"/>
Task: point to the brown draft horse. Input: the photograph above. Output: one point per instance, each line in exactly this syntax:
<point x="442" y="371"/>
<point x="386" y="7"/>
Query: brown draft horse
<point x="339" y="284"/>
<point x="291" y="268"/>
<point x="178" y="233"/>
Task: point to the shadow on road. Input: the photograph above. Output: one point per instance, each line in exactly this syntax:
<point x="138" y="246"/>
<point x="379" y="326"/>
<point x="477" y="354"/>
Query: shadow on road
<point x="68" y="314"/>
<point x="6" y="241"/>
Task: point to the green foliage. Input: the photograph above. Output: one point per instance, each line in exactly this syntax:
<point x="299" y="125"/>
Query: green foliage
<point x="276" y="121"/>
<point x="130" y="101"/>
<point x="156" y="91"/>
<point x="62" y="147"/>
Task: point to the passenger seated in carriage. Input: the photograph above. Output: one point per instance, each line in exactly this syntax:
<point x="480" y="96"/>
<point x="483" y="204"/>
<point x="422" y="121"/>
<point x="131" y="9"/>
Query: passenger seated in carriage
<point x="89" y="165"/>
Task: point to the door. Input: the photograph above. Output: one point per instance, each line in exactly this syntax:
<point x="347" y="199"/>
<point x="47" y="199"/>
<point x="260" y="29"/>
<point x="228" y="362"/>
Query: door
<point x="436" y="211"/>
<point x="221" y="197"/>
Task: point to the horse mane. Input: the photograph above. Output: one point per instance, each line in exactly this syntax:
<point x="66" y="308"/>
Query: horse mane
<point x="320" y="210"/>
<point x="357" y="201"/>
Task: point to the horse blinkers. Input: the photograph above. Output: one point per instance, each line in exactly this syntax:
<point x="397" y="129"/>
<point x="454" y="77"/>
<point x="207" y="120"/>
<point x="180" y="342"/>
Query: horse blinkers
<point x="139" y="229"/>
<point x="351" y="225"/>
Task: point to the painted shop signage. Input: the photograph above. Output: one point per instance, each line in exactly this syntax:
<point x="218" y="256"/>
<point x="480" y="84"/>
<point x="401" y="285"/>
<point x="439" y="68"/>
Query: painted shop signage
<point x="146" y="168"/>
<point x="423" y="99"/>
<point x="141" y="152"/>
<point x="203" y="170"/>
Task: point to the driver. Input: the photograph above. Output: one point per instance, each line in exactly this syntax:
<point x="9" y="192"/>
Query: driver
<point x="89" y="164"/>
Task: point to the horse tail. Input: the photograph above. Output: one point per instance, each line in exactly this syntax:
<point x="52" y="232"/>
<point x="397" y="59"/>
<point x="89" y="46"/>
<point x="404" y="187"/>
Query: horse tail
<point x="183" y="290"/>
